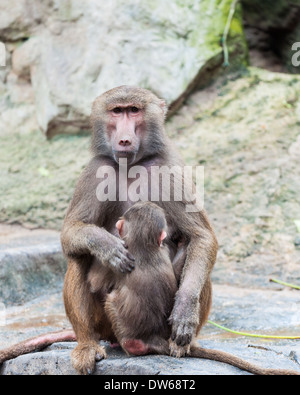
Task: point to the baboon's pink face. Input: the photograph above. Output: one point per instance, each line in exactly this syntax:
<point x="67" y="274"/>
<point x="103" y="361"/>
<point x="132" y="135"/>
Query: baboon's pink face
<point x="125" y="129"/>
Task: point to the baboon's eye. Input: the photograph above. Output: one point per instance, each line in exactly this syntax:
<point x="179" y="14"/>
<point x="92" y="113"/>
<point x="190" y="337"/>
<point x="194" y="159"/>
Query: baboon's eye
<point x="117" y="110"/>
<point x="135" y="110"/>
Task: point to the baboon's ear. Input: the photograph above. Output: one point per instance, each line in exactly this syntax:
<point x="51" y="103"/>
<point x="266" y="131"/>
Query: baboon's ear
<point x="164" y="107"/>
<point x="119" y="226"/>
<point x="162" y="237"/>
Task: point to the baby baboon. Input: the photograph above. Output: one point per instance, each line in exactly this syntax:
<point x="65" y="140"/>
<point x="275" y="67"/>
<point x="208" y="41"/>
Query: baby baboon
<point x="141" y="302"/>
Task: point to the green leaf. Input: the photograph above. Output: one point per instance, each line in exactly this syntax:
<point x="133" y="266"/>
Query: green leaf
<point x="297" y="223"/>
<point x="43" y="172"/>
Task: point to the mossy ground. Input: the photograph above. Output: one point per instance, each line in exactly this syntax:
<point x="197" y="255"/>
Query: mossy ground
<point x="38" y="177"/>
<point x="245" y="131"/>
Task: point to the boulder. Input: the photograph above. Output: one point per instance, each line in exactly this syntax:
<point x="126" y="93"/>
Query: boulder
<point x="18" y="18"/>
<point x="55" y="360"/>
<point x="263" y="311"/>
<point x="76" y="50"/>
<point x="31" y="263"/>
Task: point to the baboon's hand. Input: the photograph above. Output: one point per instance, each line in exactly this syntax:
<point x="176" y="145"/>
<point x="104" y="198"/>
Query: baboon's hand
<point x="184" y="320"/>
<point x="111" y="251"/>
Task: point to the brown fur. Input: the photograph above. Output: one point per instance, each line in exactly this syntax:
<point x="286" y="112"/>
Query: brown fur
<point x="142" y="301"/>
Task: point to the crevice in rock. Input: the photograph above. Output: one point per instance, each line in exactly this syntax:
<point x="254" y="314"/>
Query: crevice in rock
<point x="271" y="28"/>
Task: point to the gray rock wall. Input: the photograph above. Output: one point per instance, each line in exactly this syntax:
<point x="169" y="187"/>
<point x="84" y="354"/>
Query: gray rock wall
<point x="62" y="54"/>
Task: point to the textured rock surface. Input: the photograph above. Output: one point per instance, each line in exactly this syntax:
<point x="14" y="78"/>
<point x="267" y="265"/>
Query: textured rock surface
<point x="31" y="262"/>
<point x="257" y="311"/>
<point x="56" y="361"/>
<point x="28" y="273"/>
<point x="74" y="51"/>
